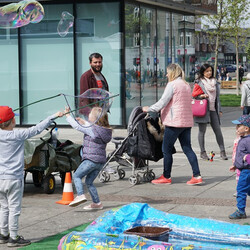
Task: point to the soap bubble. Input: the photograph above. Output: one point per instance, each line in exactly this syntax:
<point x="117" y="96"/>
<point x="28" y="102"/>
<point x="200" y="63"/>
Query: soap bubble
<point x="95" y="99"/>
<point x="66" y="22"/>
<point x="19" y="14"/>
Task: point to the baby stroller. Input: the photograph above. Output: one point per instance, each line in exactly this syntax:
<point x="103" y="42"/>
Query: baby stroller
<point x="142" y="144"/>
<point x="42" y="159"/>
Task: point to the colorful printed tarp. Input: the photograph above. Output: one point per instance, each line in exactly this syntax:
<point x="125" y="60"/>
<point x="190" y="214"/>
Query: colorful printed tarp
<point x="106" y="232"/>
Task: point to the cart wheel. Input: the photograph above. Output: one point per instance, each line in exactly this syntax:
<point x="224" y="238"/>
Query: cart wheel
<point x="133" y="180"/>
<point x="37" y="178"/>
<point x="49" y="184"/>
<point x="121" y="173"/>
<point x="104" y="177"/>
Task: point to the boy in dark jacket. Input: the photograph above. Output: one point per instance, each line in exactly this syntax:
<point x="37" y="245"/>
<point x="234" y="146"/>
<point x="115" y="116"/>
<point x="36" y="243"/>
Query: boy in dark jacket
<point x="241" y="163"/>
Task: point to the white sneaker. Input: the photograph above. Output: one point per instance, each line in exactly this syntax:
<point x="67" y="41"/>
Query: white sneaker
<point x="93" y="206"/>
<point x="78" y="200"/>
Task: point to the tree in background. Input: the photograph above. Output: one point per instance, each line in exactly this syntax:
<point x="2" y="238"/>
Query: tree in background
<point x="238" y="14"/>
<point x="217" y="24"/>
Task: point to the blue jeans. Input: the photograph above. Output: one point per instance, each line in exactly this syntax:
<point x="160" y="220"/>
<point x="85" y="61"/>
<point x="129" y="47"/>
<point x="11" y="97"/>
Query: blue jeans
<point x="243" y="188"/>
<point x="184" y="135"/>
<point x="91" y="170"/>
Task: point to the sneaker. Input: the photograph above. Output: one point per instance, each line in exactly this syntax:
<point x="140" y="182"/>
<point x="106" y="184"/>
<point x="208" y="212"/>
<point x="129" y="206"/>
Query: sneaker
<point x="204" y="156"/>
<point x="4" y="239"/>
<point x="93" y="206"/>
<point x="78" y="200"/>
<point x="162" y="180"/>
<point x="237" y="215"/>
<point x="18" y="242"/>
<point x="195" y="181"/>
<point x="223" y="155"/>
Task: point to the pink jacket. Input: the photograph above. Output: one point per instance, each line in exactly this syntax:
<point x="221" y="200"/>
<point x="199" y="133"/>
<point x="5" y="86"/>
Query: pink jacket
<point x="178" y="112"/>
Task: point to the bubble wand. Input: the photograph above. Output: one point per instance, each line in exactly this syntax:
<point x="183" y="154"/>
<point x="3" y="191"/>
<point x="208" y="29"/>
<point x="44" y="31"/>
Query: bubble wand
<point x="51" y="97"/>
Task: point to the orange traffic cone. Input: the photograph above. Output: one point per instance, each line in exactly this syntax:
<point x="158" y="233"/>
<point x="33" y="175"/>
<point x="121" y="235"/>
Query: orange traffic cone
<point x="68" y="194"/>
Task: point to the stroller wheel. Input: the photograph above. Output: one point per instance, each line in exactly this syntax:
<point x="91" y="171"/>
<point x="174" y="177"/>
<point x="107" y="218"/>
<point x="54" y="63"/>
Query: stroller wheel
<point x="133" y="180"/>
<point x="119" y="174"/>
<point x="152" y="175"/>
<point x="116" y="175"/>
<point x="104" y="177"/>
<point x="146" y="177"/>
<point x="149" y="176"/>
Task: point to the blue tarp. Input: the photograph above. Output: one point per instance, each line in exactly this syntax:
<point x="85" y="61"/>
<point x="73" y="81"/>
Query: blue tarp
<point x="106" y="232"/>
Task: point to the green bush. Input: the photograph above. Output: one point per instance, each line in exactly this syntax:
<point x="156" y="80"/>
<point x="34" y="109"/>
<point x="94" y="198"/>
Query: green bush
<point x="230" y="100"/>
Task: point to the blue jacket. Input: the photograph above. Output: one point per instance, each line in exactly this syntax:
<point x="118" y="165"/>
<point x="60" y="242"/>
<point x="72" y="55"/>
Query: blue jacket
<point x="242" y="149"/>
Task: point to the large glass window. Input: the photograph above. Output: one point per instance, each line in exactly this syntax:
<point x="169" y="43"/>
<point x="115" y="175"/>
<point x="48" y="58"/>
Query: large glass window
<point x="178" y="40"/>
<point x="149" y="63"/>
<point x="190" y="49"/>
<point x="98" y="30"/>
<point x="9" y="94"/>
<point x="47" y="65"/>
<point x="163" y="51"/>
<point x="132" y="57"/>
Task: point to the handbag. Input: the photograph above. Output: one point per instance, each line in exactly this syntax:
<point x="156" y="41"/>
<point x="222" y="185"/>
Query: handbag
<point x="199" y="107"/>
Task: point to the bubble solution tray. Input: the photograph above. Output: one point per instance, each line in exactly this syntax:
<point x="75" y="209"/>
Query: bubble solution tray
<point x="152" y="233"/>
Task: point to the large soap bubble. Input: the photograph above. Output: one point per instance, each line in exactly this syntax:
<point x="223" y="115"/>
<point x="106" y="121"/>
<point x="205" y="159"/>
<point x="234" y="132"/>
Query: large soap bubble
<point x="93" y="100"/>
<point x="19" y="14"/>
<point x="66" y="22"/>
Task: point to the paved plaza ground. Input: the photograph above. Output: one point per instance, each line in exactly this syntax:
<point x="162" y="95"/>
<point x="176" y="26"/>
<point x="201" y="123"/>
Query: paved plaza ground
<point x="42" y="217"/>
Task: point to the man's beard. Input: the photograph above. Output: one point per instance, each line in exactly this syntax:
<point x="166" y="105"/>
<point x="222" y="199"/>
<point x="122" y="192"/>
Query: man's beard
<point x="96" y="70"/>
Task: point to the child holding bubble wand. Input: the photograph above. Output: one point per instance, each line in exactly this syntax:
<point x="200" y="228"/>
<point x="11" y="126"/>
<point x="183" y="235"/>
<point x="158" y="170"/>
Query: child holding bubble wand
<point x="11" y="173"/>
<point x="93" y="154"/>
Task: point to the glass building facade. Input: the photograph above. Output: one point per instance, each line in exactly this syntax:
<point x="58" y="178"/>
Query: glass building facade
<point x="137" y="42"/>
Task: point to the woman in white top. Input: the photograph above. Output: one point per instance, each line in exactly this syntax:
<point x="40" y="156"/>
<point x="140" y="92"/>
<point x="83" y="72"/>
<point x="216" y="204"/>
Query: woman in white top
<point x="245" y="96"/>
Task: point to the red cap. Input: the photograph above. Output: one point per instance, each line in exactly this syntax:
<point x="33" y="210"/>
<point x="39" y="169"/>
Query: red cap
<point x="6" y="114"/>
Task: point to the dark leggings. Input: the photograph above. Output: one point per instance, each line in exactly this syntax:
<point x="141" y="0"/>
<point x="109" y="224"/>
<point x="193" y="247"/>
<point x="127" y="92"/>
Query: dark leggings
<point x="215" y="124"/>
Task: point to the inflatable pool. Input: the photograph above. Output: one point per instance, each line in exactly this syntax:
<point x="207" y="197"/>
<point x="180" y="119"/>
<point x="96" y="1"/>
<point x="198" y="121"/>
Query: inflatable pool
<point x="107" y="232"/>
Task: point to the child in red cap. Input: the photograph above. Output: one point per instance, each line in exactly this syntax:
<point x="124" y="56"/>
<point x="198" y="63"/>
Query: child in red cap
<point x="11" y="173"/>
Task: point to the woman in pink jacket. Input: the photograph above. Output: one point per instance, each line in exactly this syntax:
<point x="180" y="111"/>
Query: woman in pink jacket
<point x="177" y="116"/>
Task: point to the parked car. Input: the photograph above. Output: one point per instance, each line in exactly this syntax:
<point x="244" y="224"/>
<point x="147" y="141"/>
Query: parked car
<point x="230" y="67"/>
<point x="245" y="68"/>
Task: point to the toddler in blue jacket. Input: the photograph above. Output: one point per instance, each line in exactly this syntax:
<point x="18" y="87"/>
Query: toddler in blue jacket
<point x="241" y="162"/>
